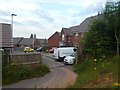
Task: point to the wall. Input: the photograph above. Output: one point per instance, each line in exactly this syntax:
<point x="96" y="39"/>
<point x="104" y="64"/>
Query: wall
<point x="6" y="35"/>
<point x="27" y="58"/>
<point x="54" y="40"/>
<point x="73" y="39"/>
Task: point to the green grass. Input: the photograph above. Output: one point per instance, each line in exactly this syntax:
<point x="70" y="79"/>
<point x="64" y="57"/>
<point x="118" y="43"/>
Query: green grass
<point x="15" y="73"/>
<point x="88" y="72"/>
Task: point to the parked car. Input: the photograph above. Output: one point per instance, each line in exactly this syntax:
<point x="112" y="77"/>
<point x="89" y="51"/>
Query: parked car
<point x="70" y="59"/>
<point x="51" y="50"/>
<point x="28" y="49"/>
<point x="40" y="49"/>
<point x="62" y="52"/>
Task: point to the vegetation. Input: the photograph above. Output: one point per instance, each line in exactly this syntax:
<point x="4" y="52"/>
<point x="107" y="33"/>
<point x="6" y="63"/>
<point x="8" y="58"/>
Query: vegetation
<point x="101" y="51"/>
<point x="15" y="73"/>
<point x="103" y="37"/>
<point x="97" y="74"/>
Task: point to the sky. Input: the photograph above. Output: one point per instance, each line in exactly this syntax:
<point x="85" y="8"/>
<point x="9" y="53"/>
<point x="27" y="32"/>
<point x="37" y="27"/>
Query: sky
<point x="45" y="17"/>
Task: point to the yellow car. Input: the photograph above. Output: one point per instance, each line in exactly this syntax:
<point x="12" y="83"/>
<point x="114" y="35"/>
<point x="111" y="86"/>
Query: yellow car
<point x="28" y="49"/>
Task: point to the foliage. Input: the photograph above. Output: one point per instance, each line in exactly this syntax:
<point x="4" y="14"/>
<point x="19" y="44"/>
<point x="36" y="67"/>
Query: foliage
<point x="15" y="73"/>
<point x="100" y="45"/>
<point x="103" y="37"/>
<point x="96" y="41"/>
<point x="112" y="19"/>
<point x="88" y="72"/>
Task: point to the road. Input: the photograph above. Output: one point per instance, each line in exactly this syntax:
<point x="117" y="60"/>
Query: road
<point x="59" y="77"/>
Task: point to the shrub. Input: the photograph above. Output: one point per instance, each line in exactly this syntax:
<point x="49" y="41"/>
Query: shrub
<point x="15" y="73"/>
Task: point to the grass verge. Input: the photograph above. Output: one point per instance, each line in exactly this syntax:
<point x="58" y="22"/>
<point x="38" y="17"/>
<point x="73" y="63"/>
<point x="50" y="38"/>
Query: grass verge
<point x="15" y="73"/>
<point x="102" y="74"/>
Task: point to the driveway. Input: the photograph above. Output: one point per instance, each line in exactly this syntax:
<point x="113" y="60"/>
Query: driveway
<point x="59" y="77"/>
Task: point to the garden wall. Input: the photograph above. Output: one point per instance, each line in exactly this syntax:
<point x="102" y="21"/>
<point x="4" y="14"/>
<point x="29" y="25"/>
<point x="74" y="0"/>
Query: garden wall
<point x="27" y="58"/>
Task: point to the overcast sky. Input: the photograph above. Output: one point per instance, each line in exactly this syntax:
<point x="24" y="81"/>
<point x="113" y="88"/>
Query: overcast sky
<point x="44" y="17"/>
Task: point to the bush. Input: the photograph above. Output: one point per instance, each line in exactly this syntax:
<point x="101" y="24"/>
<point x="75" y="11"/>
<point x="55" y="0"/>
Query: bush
<point x="15" y="73"/>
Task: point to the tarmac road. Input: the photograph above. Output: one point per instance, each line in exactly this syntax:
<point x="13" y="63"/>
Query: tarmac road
<point x="59" y="77"/>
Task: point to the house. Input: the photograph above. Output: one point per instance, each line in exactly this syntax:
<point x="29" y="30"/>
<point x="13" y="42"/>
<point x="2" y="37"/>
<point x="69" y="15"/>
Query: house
<point x="71" y="36"/>
<point x="41" y="43"/>
<point x="6" y="40"/>
<point x="21" y="42"/>
<point x="65" y="37"/>
<point x="76" y="35"/>
<point x="54" y="40"/>
<point x="77" y="32"/>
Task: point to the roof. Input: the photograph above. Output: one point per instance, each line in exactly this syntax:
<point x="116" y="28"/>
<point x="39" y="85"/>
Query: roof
<point x="74" y="29"/>
<point x="54" y="34"/>
<point x="5" y="24"/>
<point x="84" y="26"/>
<point x="16" y="40"/>
<point x="27" y="41"/>
<point x="42" y="41"/>
<point x="66" y="31"/>
<point x="22" y="41"/>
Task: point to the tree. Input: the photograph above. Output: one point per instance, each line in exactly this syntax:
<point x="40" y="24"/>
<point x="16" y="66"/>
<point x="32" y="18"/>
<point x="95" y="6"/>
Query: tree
<point x="112" y="18"/>
<point x="104" y="34"/>
<point x="96" y="41"/>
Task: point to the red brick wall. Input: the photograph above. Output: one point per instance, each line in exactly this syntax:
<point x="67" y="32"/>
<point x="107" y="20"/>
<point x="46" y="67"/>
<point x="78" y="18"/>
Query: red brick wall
<point x="73" y="39"/>
<point x="54" y="40"/>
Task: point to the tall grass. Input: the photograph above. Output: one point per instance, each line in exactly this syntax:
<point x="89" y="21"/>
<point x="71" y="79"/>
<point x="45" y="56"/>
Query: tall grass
<point x="89" y="71"/>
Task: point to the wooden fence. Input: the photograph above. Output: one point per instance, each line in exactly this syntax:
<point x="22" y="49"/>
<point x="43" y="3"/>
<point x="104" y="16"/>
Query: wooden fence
<point x="28" y="58"/>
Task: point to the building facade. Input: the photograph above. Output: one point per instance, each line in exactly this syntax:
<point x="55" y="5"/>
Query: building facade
<point x="6" y="40"/>
<point x="54" y="40"/>
<point x="73" y="35"/>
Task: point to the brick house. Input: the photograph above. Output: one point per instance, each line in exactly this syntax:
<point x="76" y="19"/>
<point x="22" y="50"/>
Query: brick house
<point x="65" y="37"/>
<point x="6" y="40"/>
<point x="71" y="36"/>
<point x="20" y="42"/>
<point x="54" y="40"/>
<point x="77" y="32"/>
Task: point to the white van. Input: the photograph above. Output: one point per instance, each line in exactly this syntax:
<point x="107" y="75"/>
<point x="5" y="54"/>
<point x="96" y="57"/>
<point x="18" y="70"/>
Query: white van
<point x="55" y="53"/>
<point x="62" y="52"/>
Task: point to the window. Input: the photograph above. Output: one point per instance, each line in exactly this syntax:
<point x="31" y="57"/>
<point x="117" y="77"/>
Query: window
<point x="63" y="37"/>
<point x="76" y="34"/>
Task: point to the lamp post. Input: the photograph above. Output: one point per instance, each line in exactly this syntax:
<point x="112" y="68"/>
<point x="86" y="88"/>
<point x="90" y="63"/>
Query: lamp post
<point x="12" y="15"/>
